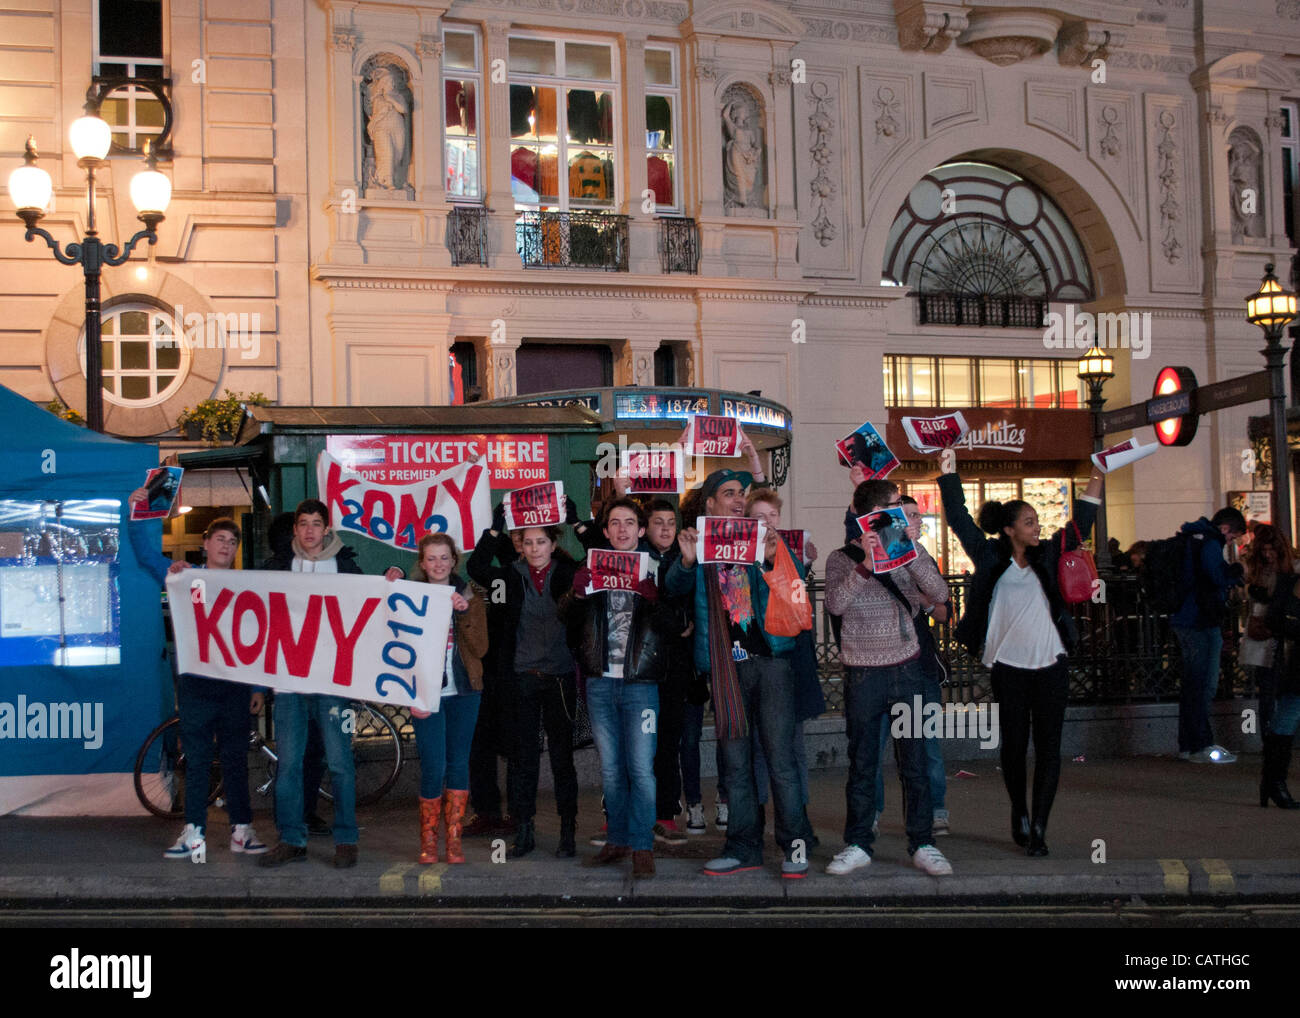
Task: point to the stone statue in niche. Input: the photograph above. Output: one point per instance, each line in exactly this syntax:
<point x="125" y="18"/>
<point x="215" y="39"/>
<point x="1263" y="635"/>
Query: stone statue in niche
<point x="386" y="105"/>
<point x="744" y="152"/>
<point x="1245" y="185"/>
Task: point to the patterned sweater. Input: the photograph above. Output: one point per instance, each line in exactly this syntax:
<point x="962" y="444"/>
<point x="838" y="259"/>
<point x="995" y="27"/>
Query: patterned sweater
<point x="877" y="631"/>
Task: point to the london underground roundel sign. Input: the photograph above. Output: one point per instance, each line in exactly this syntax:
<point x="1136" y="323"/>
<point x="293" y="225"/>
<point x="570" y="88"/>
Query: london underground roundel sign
<point x="1173" y="391"/>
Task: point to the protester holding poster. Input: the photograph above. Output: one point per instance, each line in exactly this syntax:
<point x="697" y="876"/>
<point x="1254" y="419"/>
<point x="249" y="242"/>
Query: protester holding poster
<point x="621" y="657"/>
<point x="752" y="685"/>
<point x="444" y="737"/>
<point x="208" y="708"/>
<point x="880" y="650"/>
<point x="315" y="549"/>
<point x="1017" y="623"/>
<point x="534" y="654"/>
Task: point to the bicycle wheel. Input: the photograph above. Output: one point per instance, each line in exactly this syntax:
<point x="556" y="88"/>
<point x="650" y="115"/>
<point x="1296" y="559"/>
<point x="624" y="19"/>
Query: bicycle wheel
<point x="160" y="772"/>
<point x="377" y="750"/>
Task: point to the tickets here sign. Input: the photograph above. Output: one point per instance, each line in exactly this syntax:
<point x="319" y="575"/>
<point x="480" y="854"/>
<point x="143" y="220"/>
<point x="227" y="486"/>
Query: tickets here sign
<point x="538" y="505"/>
<point x="729" y="540"/>
<point x="654" y="473"/>
<point x="707" y="435"/>
<point x="616" y="570"/>
<point x="360" y="637"/>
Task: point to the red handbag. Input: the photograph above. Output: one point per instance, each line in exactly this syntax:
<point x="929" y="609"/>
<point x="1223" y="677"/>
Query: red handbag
<point x="1075" y="571"/>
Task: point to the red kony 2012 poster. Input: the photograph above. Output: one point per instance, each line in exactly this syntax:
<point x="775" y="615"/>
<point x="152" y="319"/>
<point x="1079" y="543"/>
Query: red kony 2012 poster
<point x="655" y="472"/>
<point x="707" y="435"/>
<point x="616" y="570"/>
<point x="797" y="542"/>
<point x="539" y="505"/>
<point x="733" y="540"/>
<point x="931" y="434"/>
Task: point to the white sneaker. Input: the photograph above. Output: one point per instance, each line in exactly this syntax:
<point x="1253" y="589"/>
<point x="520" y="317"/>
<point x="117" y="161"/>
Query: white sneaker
<point x="852" y="858"/>
<point x="931" y="860"/>
<point x="695" y="819"/>
<point x="190" y="845"/>
<point x="724" y="815"/>
<point x="244" y="839"/>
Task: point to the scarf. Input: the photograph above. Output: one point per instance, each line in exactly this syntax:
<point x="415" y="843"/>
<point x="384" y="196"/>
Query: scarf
<point x="331" y="544"/>
<point x="728" y="707"/>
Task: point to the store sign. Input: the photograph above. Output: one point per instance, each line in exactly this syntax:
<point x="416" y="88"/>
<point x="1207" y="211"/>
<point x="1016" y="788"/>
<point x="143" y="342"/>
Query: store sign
<point x="659" y="406"/>
<point x="513" y="461"/>
<point x="589" y="400"/>
<point x="1007" y="434"/>
<point x="751" y="412"/>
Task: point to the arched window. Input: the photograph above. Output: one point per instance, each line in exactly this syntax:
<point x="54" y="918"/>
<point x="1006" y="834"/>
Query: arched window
<point x="145" y="362"/>
<point x="979" y="245"/>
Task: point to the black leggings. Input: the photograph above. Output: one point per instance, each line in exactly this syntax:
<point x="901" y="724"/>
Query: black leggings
<point x="1031" y="700"/>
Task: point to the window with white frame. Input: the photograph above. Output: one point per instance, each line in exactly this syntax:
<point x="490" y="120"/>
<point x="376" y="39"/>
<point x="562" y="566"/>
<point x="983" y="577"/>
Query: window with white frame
<point x="563" y="98"/>
<point x="461" y="87"/>
<point x="661" y="105"/>
<point x="128" y="40"/>
<point x="145" y="362"/>
<point x="1290" y="168"/>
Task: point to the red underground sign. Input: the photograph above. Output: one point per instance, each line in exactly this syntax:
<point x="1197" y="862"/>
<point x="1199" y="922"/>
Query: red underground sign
<point x="1172" y="394"/>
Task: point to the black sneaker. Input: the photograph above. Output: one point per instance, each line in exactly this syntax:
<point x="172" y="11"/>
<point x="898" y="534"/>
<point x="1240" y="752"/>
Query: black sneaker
<point x="283" y="853"/>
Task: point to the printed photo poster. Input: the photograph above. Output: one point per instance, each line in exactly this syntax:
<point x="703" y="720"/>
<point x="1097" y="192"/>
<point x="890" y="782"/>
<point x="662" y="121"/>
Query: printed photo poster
<point x="162" y="487"/>
<point x="707" y="435"/>
<point x="931" y="434"/>
<point x="538" y="505"/>
<point x="896" y="548"/>
<point x="729" y="540"/>
<point x="616" y="570"/>
<point x="867" y="446"/>
<point x="656" y="472"/>
<point x="797" y="542"/>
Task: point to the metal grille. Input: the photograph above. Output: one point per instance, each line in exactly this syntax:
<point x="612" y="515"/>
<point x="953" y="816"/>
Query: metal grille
<point x="679" y="245"/>
<point x="573" y="240"/>
<point x="467" y="234"/>
<point x="1004" y="312"/>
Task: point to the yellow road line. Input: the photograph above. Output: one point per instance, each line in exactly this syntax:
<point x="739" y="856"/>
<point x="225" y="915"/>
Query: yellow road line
<point x="1176" y="877"/>
<point x="431" y="878"/>
<point x="1221" y="879"/>
<point x="393" y="881"/>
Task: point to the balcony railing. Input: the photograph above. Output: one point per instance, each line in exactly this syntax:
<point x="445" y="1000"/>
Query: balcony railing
<point x="572" y="240"/>
<point x="679" y="245"/>
<point x="467" y="234"/>
<point x="1000" y="312"/>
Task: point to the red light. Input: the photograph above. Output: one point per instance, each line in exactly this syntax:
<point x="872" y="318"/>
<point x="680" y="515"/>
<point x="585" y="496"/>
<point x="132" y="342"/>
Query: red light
<point x="1175" y="430"/>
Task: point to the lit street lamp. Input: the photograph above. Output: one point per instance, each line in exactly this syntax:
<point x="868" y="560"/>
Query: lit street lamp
<point x="1272" y="308"/>
<point x="1097" y="368"/>
<point x="30" y="188"/>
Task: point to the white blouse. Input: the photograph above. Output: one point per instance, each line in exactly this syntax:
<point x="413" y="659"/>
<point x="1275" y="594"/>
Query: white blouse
<point x="1021" y="632"/>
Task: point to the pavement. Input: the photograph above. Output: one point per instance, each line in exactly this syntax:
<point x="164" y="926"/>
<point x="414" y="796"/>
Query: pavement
<point x="1150" y="828"/>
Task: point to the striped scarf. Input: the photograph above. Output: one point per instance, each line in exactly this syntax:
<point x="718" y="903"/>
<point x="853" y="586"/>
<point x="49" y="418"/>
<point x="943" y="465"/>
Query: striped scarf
<point x="728" y="707"/>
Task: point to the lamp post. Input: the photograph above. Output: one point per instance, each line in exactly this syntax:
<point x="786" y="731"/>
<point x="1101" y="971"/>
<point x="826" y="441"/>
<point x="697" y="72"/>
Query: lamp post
<point x="30" y="188"/>
<point x="1097" y="368"/>
<point x="1271" y="308"/>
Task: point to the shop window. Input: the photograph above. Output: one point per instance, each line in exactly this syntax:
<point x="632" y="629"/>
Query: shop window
<point x="461" y="81"/>
<point x="661" y="105"/>
<point x="1070" y="395"/>
<point x="1037" y="383"/>
<point x="1040" y="383"/>
<point x="128" y="40"/>
<point x="997" y="383"/>
<point x="145" y="362"/>
<point x="957" y="386"/>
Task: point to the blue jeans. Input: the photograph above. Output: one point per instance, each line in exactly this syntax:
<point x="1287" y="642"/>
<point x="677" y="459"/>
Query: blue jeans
<point x="934" y="766"/>
<point x="767" y="691"/>
<point x="1201" y="649"/>
<point x="1286" y="715"/>
<point x="291" y="713"/>
<point x="443" y="739"/>
<point x="692" y="732"/>
<point x="869" y="695"/>
<point x="621" y="712"/>
<point x="800" y="759"/>
<point x="210" y="707"/>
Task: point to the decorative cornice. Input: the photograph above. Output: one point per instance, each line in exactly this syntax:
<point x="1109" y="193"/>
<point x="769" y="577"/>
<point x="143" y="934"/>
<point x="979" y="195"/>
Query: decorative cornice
<point x="850" y="31"/>
<point x="931" y="26"/>
<point x="845" y="301"/>
<point x="1082" y="42"/>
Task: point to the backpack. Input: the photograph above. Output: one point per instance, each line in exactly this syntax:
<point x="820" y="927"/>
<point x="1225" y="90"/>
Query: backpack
<point x="1164" y="574"/>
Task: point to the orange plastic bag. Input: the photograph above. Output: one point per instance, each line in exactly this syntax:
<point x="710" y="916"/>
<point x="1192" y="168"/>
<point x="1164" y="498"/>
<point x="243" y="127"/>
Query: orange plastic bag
<point x="789" y="612"/>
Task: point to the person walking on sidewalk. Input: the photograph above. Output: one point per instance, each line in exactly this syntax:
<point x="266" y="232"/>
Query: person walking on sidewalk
<point x="315" y="549"/>
<point x="881" y="654"/>
<point x="1018" y="624"/>
<point x="444" y="736"/>
<point x="1198" y="625"/>
<point x="534" y="648"/>
<point x="621" y="657"/>
<point x="752" y="685"/>
<point x="1282" y="622"/>
<point x="208" y="708"/>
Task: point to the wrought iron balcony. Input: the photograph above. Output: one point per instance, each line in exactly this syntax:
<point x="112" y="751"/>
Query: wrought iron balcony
<point x="467" y="234"/>
<point x="987" y="310"/>
<point x="572" y="240"/>
<point x="679" y="245"/>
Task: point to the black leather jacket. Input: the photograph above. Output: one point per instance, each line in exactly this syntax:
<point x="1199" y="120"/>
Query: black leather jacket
<point x="647" y="653"/>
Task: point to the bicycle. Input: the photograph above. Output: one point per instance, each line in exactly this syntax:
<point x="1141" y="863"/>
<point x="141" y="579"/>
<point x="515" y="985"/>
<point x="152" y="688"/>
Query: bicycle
<point x="160" y="765"/>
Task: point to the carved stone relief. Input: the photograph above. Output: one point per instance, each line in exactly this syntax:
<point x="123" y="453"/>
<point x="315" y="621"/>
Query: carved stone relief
<point x="822" y="125"/>
<point x="1167" y="175"/>
<point x="744" y="150"/>
<point x="1109" y="145"/>
<point x="1245" y="185"/>
<point x="886" y="106"/>
<point x="386" y="106"/>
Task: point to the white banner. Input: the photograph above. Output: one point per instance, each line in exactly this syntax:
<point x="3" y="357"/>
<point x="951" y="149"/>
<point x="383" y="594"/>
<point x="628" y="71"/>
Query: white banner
<point x="457" y="502"/>
<point x="360" y="637"/>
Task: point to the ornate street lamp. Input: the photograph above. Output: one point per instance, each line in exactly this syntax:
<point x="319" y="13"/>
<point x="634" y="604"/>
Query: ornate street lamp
<point x="1097" y="367"/>
<point x="30" y="188"/>
<point x="1272" y="308"/>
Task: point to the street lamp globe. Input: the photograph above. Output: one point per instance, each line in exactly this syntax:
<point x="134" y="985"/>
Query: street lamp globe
<point x="1096" y="366"/>
<point x="150" y="192"/>
<point x="91" y="138"/>
<point x="1271" y="307"/>
<point x="30" y="186"/>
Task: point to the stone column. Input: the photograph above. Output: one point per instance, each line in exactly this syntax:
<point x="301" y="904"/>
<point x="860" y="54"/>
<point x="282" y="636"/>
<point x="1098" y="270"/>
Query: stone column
<point x="496" y="150"/>
<point x="427" y="145"/>
<point x="343" y="200"/>
<point x="636" y="361"/>
<point x="643" y="227"/>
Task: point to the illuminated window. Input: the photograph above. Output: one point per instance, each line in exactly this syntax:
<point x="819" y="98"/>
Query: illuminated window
<point x="144" y="361"/>
<point x="128" y="39"/>
<point x="1041" y="383"/>
<point x="461" y="86"/>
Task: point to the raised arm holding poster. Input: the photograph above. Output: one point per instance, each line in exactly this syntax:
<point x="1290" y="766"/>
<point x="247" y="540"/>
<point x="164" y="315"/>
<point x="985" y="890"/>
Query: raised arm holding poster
<point x="867" y="447"/>
<point x="729" y="540"/>
<point x="162" y="487"/>
<point x="895" y="549"/>
<point x="707" y="435"/>
<point x="342" y="635"/>
<point x="616" y="570"/>
<point x="1128" y="451"/>
<point x="538" y="505"/>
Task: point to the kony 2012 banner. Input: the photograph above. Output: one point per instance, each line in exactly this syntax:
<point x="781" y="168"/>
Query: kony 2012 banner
<point x="729" y="540"/>
<point x="457" y="502"/>
<point x="360" y="637"/>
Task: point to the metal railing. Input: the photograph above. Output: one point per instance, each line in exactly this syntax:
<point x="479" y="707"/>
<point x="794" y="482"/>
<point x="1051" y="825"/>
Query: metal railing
<point x="679" y="245"/>
<point x="1127" y="653"/>
<point x="467" y="234"/>
<point x="572" y="240"/>
<point x="1003" y="312"/>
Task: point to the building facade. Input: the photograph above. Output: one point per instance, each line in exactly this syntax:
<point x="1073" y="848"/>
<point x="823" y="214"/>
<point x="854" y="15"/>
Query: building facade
<point x="861" y="210"/>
